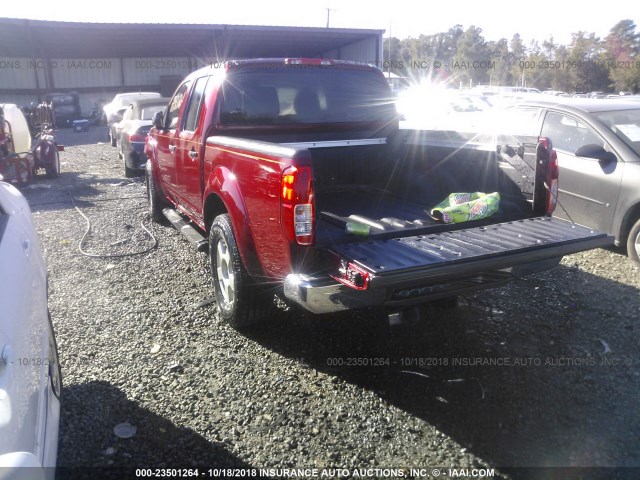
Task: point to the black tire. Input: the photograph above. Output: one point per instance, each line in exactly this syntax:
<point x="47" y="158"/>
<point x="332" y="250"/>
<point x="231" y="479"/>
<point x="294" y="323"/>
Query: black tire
<point x="155" y="201"/>
<point x="241" y="303"/>
<point x="128" y="172"/>
<point x="633" y="243"/>
<point x="57" y="393"/>
<point x="112" y="138"/>
<point x="54" y="170"/>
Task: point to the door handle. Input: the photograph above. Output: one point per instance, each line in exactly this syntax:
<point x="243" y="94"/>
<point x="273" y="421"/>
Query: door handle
<point x="193" y="154"/>
<point x="172" y="148"/>
<point x="26" y="246"/>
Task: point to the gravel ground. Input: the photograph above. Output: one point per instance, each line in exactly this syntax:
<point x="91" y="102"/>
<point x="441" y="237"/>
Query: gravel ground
<point x="543" y="372"/>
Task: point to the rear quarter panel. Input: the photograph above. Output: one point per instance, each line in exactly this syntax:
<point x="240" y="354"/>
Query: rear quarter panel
<point x="248" y="182"/>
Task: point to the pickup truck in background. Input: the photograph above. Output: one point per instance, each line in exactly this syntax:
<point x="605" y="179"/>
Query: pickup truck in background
<point x="294" y="175"/>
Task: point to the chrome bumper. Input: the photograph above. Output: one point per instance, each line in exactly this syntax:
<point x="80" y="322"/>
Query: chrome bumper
<point x="325" y="295"/>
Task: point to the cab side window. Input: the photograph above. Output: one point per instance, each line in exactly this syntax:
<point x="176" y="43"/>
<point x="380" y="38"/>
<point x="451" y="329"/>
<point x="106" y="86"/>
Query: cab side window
<point x="567" y="133"/>
<point x="171" y="120"/>
<point x="192" y="111"/>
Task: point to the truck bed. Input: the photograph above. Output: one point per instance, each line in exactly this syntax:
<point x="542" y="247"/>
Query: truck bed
<point x="386" y="215"/>
<point x="392" y="188"/>
<point x="380" y="210"/>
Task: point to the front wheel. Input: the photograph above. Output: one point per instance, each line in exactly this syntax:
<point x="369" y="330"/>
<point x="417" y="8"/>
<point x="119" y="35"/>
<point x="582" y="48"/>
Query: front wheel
<point x="53" y="170"/>
<point x="633" y="243"/>
<point x="240" y="301"/>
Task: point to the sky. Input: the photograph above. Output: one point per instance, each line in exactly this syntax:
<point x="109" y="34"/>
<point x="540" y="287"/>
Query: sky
<point x="537" y="20"/>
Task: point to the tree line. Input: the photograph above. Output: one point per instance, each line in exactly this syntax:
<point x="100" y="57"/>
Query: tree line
<point x="462" y="57"/>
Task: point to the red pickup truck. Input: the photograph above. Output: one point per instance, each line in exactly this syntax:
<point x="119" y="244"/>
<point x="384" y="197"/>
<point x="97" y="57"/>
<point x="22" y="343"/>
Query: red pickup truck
<point x="295" y="176"/>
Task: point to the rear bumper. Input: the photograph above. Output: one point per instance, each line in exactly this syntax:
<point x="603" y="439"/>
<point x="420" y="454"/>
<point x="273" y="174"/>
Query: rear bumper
<point x="416" y="269"/>
<point x="319" y="295"/>
<point x="326" y="295"/>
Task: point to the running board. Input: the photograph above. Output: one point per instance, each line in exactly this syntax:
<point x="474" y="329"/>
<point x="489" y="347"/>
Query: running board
<point x="191" y="234"/>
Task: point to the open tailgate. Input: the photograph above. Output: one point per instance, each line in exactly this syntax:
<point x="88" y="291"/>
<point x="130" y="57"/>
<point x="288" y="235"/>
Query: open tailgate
<point x="467" y="251"/>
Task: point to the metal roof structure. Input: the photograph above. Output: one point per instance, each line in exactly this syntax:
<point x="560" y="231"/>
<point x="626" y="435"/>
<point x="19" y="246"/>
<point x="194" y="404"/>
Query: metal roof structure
<point x="50" y="39"/>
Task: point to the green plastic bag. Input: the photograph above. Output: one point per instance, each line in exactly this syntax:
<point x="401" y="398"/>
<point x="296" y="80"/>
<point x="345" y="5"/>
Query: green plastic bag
<point x="464" y="207"/>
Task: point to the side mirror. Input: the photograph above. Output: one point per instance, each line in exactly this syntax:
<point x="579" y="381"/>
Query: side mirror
<point x="596" y="151"/>
<point x="158" y="120"/>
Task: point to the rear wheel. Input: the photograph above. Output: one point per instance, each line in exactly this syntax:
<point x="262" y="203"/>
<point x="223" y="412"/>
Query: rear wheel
<point x="633" y="243"/>
<point x="154" y="200"/>
<point x="240" y="301"/>
<point x="128" y="172"/>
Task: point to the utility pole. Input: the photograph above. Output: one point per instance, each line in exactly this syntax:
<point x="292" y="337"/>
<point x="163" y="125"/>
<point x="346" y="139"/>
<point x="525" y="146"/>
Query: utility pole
<point x="389" y="49"/>
<point x="329" y="10"/>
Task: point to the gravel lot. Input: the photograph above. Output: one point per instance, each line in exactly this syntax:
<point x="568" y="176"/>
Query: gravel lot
<point x="544" y="372"/>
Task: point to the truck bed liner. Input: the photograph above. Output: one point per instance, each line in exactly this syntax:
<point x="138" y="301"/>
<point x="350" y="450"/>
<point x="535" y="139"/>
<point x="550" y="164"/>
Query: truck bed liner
<point x="532" y="239"/>
<point x="389" y="216"/>
<point x="372" y="205"/>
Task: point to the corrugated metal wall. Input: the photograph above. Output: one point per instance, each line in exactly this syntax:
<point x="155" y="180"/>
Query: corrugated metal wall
<point x="17" y="99"/>
<point x="69" y="74"/>
<point x="366" y="51"/>
<point x="147" y="71"/>
<point x="111" y="75"/>
<point x="20" y="73"/>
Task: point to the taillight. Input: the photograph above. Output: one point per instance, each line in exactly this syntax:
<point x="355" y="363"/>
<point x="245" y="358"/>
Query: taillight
<point x="136" y="137"/>
<point x="297" y="204"/>
<point x="552" y="183"/>
<point x="551" y="177"/>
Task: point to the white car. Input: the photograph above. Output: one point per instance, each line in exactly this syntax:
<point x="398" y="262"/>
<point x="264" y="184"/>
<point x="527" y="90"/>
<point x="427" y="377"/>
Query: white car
<point x="30" y="380"/>
<point x="114" y="109"/>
